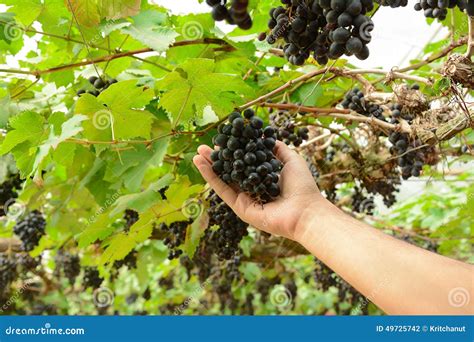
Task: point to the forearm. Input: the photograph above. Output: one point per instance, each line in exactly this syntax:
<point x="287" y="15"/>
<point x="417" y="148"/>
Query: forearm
<point x="396" y="276"/>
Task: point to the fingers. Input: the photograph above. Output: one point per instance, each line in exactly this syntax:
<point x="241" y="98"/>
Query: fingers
<point x="204" y="166"/>
<point x="205" y="151"/>
<point x="284" y="153"/>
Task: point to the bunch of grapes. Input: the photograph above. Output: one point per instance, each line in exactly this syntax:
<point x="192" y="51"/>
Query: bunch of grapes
<point x="326" y="28"/>
<point x="30" y="229"/>
<point x="69" y="264"/>
<point x="355" y="100"/>
<point x="130" y="217"/>
<point x="362" y="203"/>
<point x="387" y="188"/>
<point x="8" y="191"/>
<point x="8" y="272"/>
<point x="231" y="229"/>
<point x="393" y="3"/>
<point x="100" y="84"/>
<point x="325" y="278"/>
<point x="176" y="234"/>
<point x="235" y="14"/>
<point x="92" y="278"/>
<point x="27" y="262"/>
<point x="286" y="129"/>
<point x="439" y="9"/>
<point x="130" y="261"/>
<point x="245" y="156"/>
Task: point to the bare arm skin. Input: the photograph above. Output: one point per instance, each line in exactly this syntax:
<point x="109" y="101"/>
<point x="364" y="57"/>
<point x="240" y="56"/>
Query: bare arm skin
<point x="398" y="277"/>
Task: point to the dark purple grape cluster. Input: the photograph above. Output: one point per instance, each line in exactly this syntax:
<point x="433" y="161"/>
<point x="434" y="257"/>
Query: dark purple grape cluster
<point x="438" y="9"/>
<point x="354" y="100"/>
<point x="92" y="278"/>
<point x="69" y="264"/>
<point x="30" y="229"/>
<point x="130" y="217"/>
<point x="286" y="129"/>
<point x="175" y="236"/>
<point x="325" y="278"/>
<point x="231" y="229"/>
<point x="130" y="261"/>
<point x="99" y="84"/>
<point x="8" y="273"/>
<point x="27" y="262"/>
<point x="362" y="203"/>
<point x="8" y="191"/>
<point x="393" y="3"/>
<point x="245" y="156"/>
<point x="235" y="13"/>
<point x="410" y="155"/>
<point x="326" y="28"/>
<point x="387" y="188"/>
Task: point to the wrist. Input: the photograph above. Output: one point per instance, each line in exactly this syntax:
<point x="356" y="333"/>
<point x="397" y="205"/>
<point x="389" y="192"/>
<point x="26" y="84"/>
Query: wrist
<point x="312" y="218"/>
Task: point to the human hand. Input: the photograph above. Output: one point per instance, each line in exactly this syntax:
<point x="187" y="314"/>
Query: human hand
<point x="285" y="216"/>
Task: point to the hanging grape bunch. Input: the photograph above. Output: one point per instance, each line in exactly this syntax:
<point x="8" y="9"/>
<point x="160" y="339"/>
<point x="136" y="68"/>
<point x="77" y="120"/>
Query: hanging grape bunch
<point x="69" y="264"/>
<point x="439" y="9"/>
<point x="8" y="191"/>
<point x="231" y="230"/>
<point x="92" y="278"/>
<point x="286" y="128"/>
<point x="235" y="14"/>
<point x="393" y="3"/>
<point x="245" y="156"/>
<point x="355" y="100"/>
<point x="326" y="28"/>
<point x="99" y="85"/>
<point x="8" y="273"/>
<point x="175" y="235"/>
<point x="30" y="230"/>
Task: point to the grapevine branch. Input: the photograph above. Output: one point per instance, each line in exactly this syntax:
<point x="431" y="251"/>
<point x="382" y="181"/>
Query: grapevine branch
<point x="108" y="58"/>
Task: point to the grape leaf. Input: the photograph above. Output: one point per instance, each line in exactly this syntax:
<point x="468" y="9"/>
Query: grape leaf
<point x="194" y="233"/>
<point x="85" y="11"/>
<point x="148" y="28"/>
<point x="194" y="85"/>
<point x="143" y="200"/>
<point x="27" y="126"/>
<point x="116" y="9"/>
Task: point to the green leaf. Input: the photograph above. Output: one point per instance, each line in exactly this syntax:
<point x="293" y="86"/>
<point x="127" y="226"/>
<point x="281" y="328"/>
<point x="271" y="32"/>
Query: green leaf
<point x="194" y="233"/>
<point x="112" y="114"/>
<point x="97" y="228"/>
<point x="27" y="126"/>
<point x="143" y="200"/>
<point x="148" y="29"/>
<point x="194" y="85"/>
<point x="69" y="129"/>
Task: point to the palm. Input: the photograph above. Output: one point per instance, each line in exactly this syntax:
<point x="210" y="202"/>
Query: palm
<point x="298" y="190"/>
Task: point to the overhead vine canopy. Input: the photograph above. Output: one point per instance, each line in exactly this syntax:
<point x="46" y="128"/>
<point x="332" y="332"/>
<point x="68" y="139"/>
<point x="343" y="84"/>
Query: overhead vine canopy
<point x="104" y="103"/>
